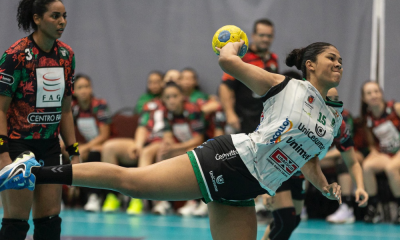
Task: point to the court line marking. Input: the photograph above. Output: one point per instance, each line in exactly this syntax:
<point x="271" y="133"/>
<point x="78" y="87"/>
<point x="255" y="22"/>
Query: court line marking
<point x="299" y="230"/>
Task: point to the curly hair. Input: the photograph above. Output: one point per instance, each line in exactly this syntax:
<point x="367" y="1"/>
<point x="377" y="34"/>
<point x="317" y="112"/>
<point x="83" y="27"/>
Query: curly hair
<point x="26" y="10"/>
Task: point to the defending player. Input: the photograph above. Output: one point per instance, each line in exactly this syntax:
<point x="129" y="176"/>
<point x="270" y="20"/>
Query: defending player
<point x="229" y="171"/>
<point x="36" y="75"/>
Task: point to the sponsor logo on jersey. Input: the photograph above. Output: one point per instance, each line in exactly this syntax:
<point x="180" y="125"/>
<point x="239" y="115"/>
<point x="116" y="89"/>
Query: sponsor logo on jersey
<point x="320" y="130"/>
<point x="310" y="99"/>
<point x="215" y="181"/>
<point x="298" y="148"/>
<point x="311" y="135"/>
<point x="44" y="117"/>
<point x="284" y="128"/>
<point x="50" y="86"/>
<point x="226" y="156"/>
<point x="64" y="54"/>
<point x="7" y="79"/>
<point x="284" y="162"/>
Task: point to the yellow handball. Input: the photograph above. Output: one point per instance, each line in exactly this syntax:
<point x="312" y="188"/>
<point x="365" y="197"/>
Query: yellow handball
<point x="230" y="33"/>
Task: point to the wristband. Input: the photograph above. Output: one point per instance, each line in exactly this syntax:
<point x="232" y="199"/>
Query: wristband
<point x="3" y="144"/>
<point x="73" y="150"/>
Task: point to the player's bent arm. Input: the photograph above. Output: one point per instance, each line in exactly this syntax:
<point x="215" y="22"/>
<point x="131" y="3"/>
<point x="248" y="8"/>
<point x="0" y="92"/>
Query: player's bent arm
<point x="227" y="97"/>
<point x="4" y="105"/>
<point x="141" y="134"/>
<point x="104" y="134"/>
<point x="354" y="167"/>
<point x="255" y="78"/>
<point x="195" y="141"/>
<point x="67" y="122"/>
<point x="313" y="173"/>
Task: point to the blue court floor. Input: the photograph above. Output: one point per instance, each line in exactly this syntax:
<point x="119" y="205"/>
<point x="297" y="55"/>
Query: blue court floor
<point x="79" y="225"/>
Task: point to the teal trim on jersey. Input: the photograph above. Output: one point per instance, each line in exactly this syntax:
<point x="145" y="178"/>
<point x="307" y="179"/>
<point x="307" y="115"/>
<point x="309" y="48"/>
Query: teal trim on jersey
<point x="244" y="203"/>
<point x="304" y="79"/>
<point x="331" y="103"/>
<point x="199" y="177"/>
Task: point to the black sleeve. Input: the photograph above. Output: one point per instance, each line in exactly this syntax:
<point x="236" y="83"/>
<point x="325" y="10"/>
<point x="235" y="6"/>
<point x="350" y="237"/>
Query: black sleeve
<point x="275" y="89"/>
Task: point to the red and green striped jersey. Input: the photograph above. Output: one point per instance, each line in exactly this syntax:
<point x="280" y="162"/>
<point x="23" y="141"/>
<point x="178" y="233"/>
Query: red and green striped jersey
<point x="37" y="82"/>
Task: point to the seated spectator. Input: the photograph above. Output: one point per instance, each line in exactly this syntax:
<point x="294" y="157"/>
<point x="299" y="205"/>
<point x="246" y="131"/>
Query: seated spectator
<point x="91" y="116"/>
<point x="155" y="85"/>
<point x="382" y="121"/>
<point x="92" y="120"/>
<point x="184" y="130"/>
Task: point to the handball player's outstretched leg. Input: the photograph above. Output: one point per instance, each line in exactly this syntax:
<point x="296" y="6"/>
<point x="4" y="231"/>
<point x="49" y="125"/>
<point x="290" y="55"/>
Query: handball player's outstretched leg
<point x="172" y="179"/>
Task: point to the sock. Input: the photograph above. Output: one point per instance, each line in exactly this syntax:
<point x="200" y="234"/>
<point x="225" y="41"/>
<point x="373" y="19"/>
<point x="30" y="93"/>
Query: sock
<point x="53" y="175"/>
<point x="13" y="229"/>
<point x="347" y="200"/>
<point x="373" y="201"/>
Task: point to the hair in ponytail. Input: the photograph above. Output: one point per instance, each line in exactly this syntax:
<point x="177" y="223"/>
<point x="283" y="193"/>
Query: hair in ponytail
<point x="298" y="57"/>
<point x="28" y="8"/>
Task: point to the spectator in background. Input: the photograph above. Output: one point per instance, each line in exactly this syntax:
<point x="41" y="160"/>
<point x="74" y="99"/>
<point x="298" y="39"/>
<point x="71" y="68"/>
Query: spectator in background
<point x="172" y="75"/>
<point x="242" y="107"/>
<point x="92" y="120"/>
<point x="184" y="129"/>
<point x="154" y="88"/>
<point x="382" y="121"/>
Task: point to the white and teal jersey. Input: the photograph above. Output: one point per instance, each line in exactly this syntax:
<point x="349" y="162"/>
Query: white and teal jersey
<point x="296" y="125"/>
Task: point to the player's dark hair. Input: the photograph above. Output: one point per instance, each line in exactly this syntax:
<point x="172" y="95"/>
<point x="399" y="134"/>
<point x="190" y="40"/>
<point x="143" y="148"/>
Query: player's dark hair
<point x="158" y="73"/>
<point x="298" y="57"/>
<point x="264" y="21"/>
<point x="26" y="10"/>
<point x="81" y="75"/>
<point x="292" y="74"/>
<point x="195" y="75"/>
<point x="364" y="105"/>
<point x="172" y="84"/>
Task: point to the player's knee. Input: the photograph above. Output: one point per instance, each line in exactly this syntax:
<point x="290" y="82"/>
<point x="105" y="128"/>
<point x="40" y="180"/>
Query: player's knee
<point x="390" y="170"/>
<point x="284" y="223"/>
<point x="13" y="229"/>
<point x="47" y="228"/>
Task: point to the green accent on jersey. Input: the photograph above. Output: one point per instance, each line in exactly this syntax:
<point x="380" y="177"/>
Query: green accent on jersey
<point x="51" y="128"/>
<point x="25" y="76"/>
<point x="73" y="62"/>
<point x="143" y="99"/>
<point x="202" y="183"/>
<point x="196" y="94"/>
<point x="332" y="103"/>
<point x="3" y="58"/>
<point x="244" y="203"/>
<point x="19" y="95"/>
<point x="17" y="78"/>
<point x="144" y="118"/>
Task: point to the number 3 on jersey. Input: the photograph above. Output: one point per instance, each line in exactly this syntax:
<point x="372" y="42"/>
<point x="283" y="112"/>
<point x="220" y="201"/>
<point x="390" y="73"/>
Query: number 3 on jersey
<point x="322" y="119"/>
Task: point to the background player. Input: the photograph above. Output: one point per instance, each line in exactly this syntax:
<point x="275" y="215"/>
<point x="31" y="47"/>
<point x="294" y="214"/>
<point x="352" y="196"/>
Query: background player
<point x="36" y="75"/>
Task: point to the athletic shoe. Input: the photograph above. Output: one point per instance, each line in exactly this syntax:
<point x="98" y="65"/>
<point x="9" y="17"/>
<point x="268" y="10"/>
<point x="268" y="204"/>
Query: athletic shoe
<point x="188" y="209"/>
<point x="135" y="207"/>
<point x="162" y="208"/>
<point x="17" y="175"/>
<point x="201" y="210"/>
<point x="111" y="204"/>
<point x="304" y="214"/>
<point x="93" y="204"/>
<point x="343" y="214"/>
<point x="372" y="215"/>
<point x="397" y="220"/>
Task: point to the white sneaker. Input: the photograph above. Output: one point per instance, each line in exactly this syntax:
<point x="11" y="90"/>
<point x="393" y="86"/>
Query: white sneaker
<point x="304" y="214"/>
<point x="93" y="204"/>
<point x="344" y="214"/>
<point x="188" y="208"/>
<point x="201" y="210"/>
<point x="162" y="208"/>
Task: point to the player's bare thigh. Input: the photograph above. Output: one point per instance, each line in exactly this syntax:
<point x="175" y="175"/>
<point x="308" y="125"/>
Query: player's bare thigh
<point x="116" y="151"/>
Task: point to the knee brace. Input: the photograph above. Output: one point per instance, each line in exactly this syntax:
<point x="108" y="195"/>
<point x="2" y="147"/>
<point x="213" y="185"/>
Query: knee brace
<point x="47" y="228"/>
<point x="13" y="229"/>
<point x="284" y="223"/>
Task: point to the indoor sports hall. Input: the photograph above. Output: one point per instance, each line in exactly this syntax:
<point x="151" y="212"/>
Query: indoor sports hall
<point x="136" y="84"/>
